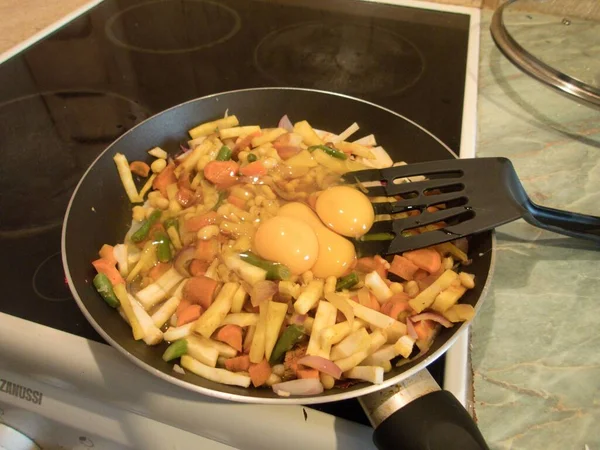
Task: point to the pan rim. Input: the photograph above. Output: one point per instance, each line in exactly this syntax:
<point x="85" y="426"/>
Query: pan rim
<point x="367" y="389"/>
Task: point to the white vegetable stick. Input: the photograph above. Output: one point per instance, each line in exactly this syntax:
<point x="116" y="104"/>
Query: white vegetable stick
<point x="166" y="310"/>
<point x="224" y="350"/>
<point x="249" y="273"/>
<point x="373" y="317"/>
<point x="346" y="133"/>
<point x="309" y="297"/>
<point x="428" y="295"/>
<point x="169" y="280"/>
<point x="336" y="333"/>
<point x="213" y="374"/>
<point x="325" y="317"/>
<point x="150" y="295"/>
<point x="380" y="290"/>
<point x="367" y="141"/>
<point x="210" y="320"/>
<point x="372" y="374"/>
<point x="355" y="342"/>
<point x="158" y="152"/>
<point x="378" y="339"/>
<point x="126" y="177"/>
<point x="241" y="319"/>
<point x="120" y="254"/>
<point x="275" y="316"/>
<point x="381" y="161"/>
<point x="152" y="335"/>
<point x="176" y="333"/>
<point x="238" y="300"/>
<point x="395" y="331"/>
<point x="351" y="361"/>
<point x="385" y="353"/>
<point x="200" y="350"/>
<point x="192" y="144"/>
<point x="404" y="346"/>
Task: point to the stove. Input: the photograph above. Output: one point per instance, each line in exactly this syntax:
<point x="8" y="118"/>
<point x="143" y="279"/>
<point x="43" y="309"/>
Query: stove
<point x="66" y="97"/>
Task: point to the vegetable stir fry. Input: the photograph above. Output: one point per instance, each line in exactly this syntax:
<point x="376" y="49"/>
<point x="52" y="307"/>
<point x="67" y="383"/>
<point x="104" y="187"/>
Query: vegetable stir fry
<point x="240" y="256"/>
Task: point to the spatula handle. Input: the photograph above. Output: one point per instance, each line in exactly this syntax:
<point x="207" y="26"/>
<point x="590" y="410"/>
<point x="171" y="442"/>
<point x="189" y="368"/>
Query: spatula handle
<point x="563" y="222"/>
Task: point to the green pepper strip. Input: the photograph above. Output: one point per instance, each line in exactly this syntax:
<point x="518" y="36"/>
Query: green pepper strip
<point x="330" y="151"/>
<point x="346" y="282"/>
<point x="275" y="271"/>
<point x="252" y="157"/>
<point x="175" y="350"/>
<point x="224" y="154"/>
<point x="142" y="233"/>
<point x="163" y="246"/>
<point x="290" y="337"/>
<point x="378" y="237"/>
<point x="105" y="289"/>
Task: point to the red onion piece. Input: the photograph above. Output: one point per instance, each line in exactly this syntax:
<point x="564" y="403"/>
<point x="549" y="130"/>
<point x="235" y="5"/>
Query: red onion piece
<point x="182" y="261"/>
<point x="432" y="316"/>
<point x="286" y="123"/>
<point x="410" y="329"/>
<point x="322" y="365"/>
<point x="261" y="291"/>
<point x="298" y="319"/>
<point x="305" y="386"/>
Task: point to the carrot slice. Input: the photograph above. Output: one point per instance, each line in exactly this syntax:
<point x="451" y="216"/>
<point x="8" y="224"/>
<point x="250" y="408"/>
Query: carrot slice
<point x="232" y="335"/>
<point x="236" y="201"/>
<point x="103" y="266"/>
<point x="286" y="151"/>
<point x="254" y="169"/>
<point x="200" y="290"/>
<point x="403" y="267"/>
<point x="158" y="270"/>
<point x="189" y="314"/>
<point x="425" y="258"/>
<point x="238" y="364"/>
<point x="307" y="373"/>
<point x="424" y="329"/>
<point x="165" y="178"/>
<point x="196" y="223"/>
<point x="259" y="373"/>
<point x="207" y="250"/>
<point x="183" y="304"/>
<point x="107" y="253"/>
<point x="198" y="268"/>
<point x="223" y="174"/>
<point x="395" y="305"/>
<point x="369" y="264"/>
<point x="139" y="168"/>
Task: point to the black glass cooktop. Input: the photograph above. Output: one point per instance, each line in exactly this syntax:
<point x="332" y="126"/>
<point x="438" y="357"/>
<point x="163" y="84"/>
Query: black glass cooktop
<point x="63" y="100"/>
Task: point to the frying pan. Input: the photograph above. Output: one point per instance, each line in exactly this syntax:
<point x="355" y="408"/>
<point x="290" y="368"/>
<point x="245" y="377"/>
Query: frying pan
<point x="408" y="407"/>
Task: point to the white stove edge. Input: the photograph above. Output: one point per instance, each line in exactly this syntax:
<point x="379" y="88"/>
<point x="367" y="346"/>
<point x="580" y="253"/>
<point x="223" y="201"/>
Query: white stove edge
<point x="24" y="344"/>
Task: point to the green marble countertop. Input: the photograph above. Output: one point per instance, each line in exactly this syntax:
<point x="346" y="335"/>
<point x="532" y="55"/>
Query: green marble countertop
<point x="535" y="343"/>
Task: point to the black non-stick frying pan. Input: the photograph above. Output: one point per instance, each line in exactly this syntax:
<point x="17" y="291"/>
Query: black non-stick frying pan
<point x="100" y="212"/>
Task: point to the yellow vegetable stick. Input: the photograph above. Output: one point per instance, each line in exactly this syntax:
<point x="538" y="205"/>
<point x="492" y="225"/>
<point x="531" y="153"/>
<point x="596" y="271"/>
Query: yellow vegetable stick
<point x="213" y="374"/>
<point x="121" y="293"/>
<point x="267" y="136"/>
<point x="214" y="315"/>
<point x="427" y="296"/>
<point x="126" y="177"/>
<point x="309" y="136"/>
<point x="211" y="127"/>
<point x="324" y="318"/>
<point x="234" y="132"/>
<point x="257" y="349"/>
<point x="147" y="187"/>
<point x="275" y="317"/>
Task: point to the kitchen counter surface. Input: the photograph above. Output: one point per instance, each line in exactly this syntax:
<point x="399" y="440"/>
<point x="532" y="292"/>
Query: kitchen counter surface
<point x="536" y="346"/>
<point x="536" y="349"/>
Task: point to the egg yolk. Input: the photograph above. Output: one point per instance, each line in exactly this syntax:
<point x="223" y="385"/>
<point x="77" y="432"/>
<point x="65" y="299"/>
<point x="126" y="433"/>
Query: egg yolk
<point x="345" y="210"/>
<point x="336" y="254"/>
<point x="288" y="241"/>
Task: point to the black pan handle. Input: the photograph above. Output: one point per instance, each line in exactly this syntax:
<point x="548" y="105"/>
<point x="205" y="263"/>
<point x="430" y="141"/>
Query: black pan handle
<point x="563" y="222"/>
<point x="416" y="415"/>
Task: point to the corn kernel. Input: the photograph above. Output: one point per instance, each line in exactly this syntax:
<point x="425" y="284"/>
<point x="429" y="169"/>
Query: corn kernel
<point x="158" y="165"/>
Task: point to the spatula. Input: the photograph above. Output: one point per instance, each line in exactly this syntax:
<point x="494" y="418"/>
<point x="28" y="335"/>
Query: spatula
<point x="468" y="196"/>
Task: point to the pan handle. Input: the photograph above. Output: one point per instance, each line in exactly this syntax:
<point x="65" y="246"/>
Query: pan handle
<point x="416" y="415"/>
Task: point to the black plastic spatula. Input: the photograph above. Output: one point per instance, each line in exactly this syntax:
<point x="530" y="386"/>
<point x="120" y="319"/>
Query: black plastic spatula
<point x="470" y="195"/>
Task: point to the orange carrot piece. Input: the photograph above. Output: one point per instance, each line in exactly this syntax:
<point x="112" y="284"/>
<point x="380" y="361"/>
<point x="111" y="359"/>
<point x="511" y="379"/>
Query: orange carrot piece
<point x="221" y="173"/>
<point x="286" y="151"/>
<point x="207" y="250"/>
<point x="232" y="335"/>
<point x="196" y="223"/>
<point x="200" y="290"/>
<point x="374" y="303"/>
<point x="140" y="168"/>
<point x="103" y="266"/>
<point x="158" y="270"/>
<point x="165" y="178"/>
<point x="369" y="264"/>
<point x="107" y="253"/>
<point x="183" y="304"/>
<point x="403" y="267"/>
<point x="198" y="267"/>
<point x="254" y="169"/>
<point x="238" y="363"/>
<point x="425" y="258"/>
<point x="236" y="201"/>
<point x="189" y="314"/>
<point x="395" y="305"/>
<point x="424" y="329"/>
<point x="244" y="142"/>
<point x="307" y="372"/>
<point x="260" y="373"/>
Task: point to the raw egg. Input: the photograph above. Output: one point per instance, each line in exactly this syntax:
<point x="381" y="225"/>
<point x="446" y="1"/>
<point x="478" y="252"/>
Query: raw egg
<point x="345" y="210"/>
<point x="335" y="254"/>
<point x="289" y="241"/>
